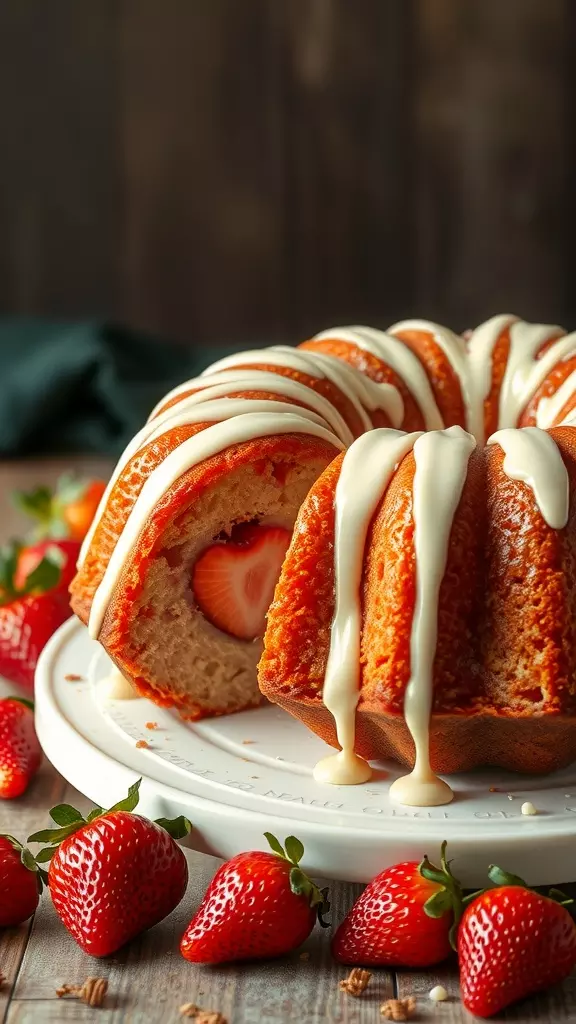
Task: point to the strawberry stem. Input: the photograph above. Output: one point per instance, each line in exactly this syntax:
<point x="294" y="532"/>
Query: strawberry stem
<point x="448" y="899"/>
<point x="71" y="820"/>
<point x="501" y="877"/>
<point x="30" y="862"/>
<point x="300" y="883"/>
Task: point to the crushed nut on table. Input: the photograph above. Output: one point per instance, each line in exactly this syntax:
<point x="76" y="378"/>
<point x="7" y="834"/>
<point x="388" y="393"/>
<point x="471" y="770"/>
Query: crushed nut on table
<point x="356" y="981"/>
<point x="398" y="1009"/>
<point x="92" y="991"/>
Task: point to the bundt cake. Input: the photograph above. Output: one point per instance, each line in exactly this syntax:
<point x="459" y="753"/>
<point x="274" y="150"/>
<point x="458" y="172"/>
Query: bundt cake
<point x="427" y="597"/>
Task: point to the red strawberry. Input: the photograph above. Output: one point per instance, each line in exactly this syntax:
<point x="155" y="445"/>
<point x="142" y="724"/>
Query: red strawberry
<point x="258" y="905"/>
<point x="113" y="874"/>
<point x="66" y="513"/>
<point x="512" y="942"/>
<point x="234" y="581"/>
<point x="404" y="917"/>
<point x="31" y="613"/>
<point x="20" y="752"/>
<point x="20" y="882"/>
<point x="78" y="514"/>
<point x="63" y="552"/>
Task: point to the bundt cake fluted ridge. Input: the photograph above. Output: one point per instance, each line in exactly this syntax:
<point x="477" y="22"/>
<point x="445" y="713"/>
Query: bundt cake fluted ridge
<point x="253" y="441"/>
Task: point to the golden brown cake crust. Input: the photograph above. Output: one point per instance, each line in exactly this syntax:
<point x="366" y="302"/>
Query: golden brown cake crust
<point x="505" y="668"/>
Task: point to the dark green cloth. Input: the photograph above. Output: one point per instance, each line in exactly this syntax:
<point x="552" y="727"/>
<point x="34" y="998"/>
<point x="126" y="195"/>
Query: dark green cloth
<point x="83" y="387"/>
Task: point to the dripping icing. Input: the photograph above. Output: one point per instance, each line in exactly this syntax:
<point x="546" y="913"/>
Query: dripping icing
<point x="367" y="469"/>
<point x="399" y="358"/>
<point x="532" y="456"/>
<point x="115" y="686"/>
<point x="450" y="449"/>
<point x="454" y="348"/>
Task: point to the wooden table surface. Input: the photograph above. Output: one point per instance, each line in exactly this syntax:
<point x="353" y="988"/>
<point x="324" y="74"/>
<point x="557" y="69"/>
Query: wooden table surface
<point x="148" y="979"/>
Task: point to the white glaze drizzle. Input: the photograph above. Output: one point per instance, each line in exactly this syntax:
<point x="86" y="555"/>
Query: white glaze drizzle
<point x="228" y="382"/>
<point x="454" y="348"/>
<point x="532" y="456"/>
<point x="353" y="384"/>
<point x="367" y="469"/>
<point x="186" y="412"/>
<point x="116" y="687"/>
<point x="209" y="442"/>
<point x="524" y="372"/>
<point x="550" y="408"/>
<point x="441" y="492"/>
<point x="399" y="358"/>
<point x="358" y="388"/>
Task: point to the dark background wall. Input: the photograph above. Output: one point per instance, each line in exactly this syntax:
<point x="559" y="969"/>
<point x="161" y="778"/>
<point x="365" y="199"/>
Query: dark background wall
<point x="225" y="170"/>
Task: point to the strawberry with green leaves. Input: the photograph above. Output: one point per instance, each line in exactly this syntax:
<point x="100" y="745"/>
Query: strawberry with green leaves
<point x="512" y="942"/>
<point x="406" y="917"/>
<point x="114" y="873"/>
<point x="20" y="751"/>
<point x="21" y="882"/>
<point x="258" y="905"/>
<point x="31" y="609"/>
<point x="65" y="513"/>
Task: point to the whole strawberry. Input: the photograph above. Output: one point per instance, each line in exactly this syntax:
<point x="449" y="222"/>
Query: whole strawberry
<point x="63" y="552"/>
<point x="258" y="905"/>
<point x="405" y="917"/>
<point x="113" y="874"/>
<point x="20" y="751"/>
<point x="512" y="942"/>
<point x="31" y="609"/>
<point x="20" y="882"/>
<point x="66" y="512"/>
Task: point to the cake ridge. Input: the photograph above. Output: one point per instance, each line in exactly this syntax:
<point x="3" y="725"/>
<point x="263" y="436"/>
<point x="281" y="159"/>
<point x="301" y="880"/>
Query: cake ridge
<point x="280" y="416"/>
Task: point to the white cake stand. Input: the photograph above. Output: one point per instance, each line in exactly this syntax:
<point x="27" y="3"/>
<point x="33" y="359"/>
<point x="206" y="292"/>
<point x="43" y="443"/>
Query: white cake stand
<point x="239" y="776"/>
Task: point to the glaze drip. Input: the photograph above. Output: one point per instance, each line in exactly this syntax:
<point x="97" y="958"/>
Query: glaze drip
<point x="450" y="449"/>
<point x="367" y="469"/>
<point x="399" y="358"/>
<point x="532" y="456"/>
<point x="454" y="348"/>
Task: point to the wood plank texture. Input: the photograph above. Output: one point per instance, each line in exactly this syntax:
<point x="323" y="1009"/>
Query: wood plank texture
<point x="235" y="172"/>
<point x="491" y="162"/>
<point x="60" y="177"/>
<point x="348" y="125"/>
<point x="203" y="168"/>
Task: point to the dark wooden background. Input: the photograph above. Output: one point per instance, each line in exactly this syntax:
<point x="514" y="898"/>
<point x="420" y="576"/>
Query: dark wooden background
<point x="227" y="170"/>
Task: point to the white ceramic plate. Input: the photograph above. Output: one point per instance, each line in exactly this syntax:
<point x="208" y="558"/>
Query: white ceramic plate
<point x="237" y="776"/>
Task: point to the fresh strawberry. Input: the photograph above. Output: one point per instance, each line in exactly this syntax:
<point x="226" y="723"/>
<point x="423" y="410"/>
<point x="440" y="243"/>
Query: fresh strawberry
<point x="404" y="918"/>
<point x="20" y="882"/>
<point x="512" y="942"/>
<point x="233" y="581"/>
<point x="20" y="752"/>
<point x="258" y="905"/>
<point x="114" y="873"/>
<point x="63" y="552"/>
<point x="66" y="513"/>
<point x="78" y="515"/>
<point x="30" y="614"/>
